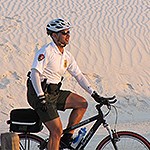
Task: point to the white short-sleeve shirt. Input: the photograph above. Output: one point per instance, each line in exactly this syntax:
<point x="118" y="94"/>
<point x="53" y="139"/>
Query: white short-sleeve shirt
<point x="52" y="64"/>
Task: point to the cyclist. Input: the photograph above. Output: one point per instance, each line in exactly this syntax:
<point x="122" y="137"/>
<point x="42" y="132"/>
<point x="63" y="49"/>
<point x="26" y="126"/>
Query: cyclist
<point x="44" y="91"/>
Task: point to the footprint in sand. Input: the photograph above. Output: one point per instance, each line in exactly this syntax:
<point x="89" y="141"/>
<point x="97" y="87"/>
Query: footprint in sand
<point x="4" y="82"/>
<point x="9" y="23"/>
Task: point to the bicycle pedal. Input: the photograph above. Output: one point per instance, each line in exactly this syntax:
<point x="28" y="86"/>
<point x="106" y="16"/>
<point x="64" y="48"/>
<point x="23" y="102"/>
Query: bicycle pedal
<point x="65" y="147"/>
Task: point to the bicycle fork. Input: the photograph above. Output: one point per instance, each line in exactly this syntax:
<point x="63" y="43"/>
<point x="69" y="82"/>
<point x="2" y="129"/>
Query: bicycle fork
<point x="113" y="135"/>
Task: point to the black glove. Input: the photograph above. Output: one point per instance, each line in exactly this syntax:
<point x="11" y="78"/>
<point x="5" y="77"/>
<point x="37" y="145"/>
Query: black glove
<point x="99" y="99"/>
<point x="43" y="102"/>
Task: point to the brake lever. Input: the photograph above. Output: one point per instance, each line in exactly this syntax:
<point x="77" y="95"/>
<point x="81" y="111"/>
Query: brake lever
<point x="112" y="102"/>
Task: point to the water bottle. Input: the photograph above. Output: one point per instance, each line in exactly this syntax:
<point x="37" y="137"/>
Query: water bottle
<point x="79" y="137"/>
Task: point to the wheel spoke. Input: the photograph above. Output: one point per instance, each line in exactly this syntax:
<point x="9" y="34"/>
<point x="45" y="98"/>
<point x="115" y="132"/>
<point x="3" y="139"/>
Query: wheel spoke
<point x="30" y="142"/>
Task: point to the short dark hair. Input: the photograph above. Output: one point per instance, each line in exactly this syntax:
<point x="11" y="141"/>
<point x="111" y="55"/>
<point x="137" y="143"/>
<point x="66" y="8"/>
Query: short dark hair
<point x="49" y="32"/>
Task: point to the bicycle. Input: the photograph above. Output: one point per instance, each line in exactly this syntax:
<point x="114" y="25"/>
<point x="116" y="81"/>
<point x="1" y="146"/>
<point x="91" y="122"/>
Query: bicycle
<point x="115" y="140"/>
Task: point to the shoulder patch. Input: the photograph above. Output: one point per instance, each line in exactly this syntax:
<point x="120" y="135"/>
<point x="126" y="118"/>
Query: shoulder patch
<point x="41" y="57"/>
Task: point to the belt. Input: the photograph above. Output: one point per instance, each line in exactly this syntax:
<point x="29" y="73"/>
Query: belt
<point x="49" y="88"/>
<point x="53" y="88"/>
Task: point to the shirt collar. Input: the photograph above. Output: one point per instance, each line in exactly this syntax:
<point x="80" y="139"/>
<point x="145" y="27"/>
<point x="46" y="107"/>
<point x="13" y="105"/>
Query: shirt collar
<point x="56" y="48"/>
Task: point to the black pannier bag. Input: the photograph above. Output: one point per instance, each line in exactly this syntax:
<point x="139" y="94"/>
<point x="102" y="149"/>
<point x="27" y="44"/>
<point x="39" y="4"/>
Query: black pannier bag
<point x="25" y="120"/>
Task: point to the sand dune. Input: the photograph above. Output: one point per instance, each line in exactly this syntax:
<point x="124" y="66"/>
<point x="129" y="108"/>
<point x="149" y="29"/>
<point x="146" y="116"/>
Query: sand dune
<point x="109" y="40"/>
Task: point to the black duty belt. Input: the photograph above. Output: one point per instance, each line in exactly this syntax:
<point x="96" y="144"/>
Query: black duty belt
<point x="49" y="88"/>
<point x="53" y="88"/>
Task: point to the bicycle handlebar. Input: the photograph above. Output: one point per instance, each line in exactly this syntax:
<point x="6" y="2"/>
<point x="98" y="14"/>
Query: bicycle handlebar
<point x="112" y="99"/>
<point x="106" y="101"/>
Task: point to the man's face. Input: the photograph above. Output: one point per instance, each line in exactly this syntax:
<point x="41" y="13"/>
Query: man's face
<point x="63" y="36"/>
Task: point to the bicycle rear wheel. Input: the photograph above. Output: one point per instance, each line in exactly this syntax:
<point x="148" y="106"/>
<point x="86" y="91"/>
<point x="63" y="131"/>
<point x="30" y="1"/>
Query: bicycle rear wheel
<point x="127" y="141"/>
<point x="31" y="142"/>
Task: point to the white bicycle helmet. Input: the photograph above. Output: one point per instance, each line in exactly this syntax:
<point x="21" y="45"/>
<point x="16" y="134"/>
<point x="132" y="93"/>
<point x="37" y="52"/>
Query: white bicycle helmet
<point x="57" y="25"/>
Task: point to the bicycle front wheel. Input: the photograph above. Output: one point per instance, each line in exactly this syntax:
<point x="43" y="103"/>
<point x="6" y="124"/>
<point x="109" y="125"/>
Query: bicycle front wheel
<point x="31" y="142"/>
<point x="126" y="141"/>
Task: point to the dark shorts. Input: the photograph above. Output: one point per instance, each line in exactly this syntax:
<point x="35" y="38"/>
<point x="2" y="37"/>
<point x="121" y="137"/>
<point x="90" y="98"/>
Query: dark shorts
<point x="55" y="102"/>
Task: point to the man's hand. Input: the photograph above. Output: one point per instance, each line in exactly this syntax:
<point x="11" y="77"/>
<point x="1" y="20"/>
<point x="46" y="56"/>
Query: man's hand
<point x="102" y="100"/>
<point x="43" y="102"/>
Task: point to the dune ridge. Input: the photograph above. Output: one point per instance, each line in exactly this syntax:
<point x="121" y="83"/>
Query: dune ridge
<point x="109" y="39"/>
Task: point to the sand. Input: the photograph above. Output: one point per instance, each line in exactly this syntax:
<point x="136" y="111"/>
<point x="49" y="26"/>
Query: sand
<point x="110" y="41"/>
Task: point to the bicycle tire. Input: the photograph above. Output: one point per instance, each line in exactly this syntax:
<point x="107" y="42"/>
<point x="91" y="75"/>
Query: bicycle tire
<point x="31" y="142"/>
<point x="127" y="141"/>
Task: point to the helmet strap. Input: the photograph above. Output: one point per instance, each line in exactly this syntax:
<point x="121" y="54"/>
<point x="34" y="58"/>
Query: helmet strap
<point x="61" y="44"/>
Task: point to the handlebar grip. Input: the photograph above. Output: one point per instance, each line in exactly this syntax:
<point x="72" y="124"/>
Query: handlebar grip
<point x="109" y="100"/>
<point x="106" y="101"/>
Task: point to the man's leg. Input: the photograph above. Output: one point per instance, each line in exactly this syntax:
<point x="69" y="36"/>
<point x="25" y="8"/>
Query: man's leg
<point x="79" y="106"/>
<point x="55" y="129"/>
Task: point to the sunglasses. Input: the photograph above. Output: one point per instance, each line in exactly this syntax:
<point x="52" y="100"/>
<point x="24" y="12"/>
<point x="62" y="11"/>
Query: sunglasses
<point x="65" y="32"/>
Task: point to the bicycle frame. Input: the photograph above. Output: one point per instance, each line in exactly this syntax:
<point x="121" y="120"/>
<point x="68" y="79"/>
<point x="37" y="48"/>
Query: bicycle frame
<point x="99" y="120"/>
<point x="111" y="140"/>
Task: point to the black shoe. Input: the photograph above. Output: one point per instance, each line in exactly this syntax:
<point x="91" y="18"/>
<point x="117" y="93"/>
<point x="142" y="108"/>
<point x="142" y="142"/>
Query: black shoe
<point x="66" y="140"/>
